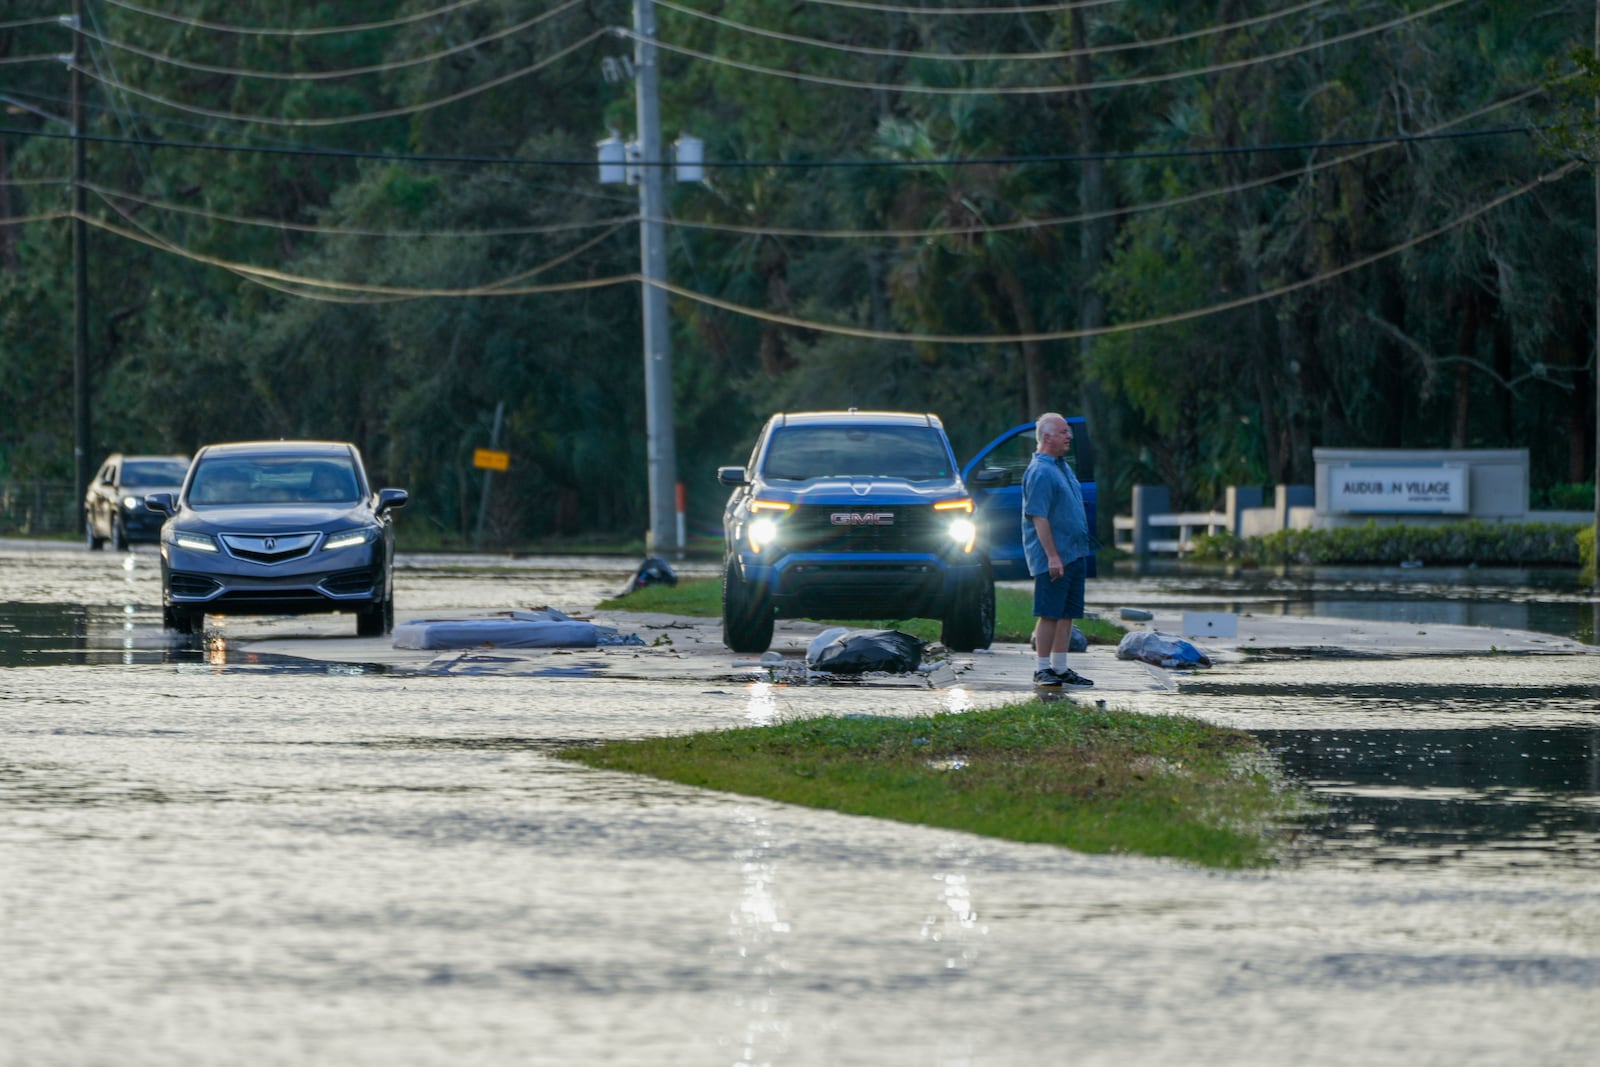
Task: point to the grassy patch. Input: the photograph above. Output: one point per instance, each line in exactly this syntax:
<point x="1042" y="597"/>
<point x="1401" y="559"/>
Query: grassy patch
<point x="702" y="597"/>
<point x="1047" y="772"/>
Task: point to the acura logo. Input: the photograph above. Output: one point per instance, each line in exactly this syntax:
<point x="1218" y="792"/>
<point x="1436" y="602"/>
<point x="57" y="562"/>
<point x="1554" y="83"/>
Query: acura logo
<point x="270" y="544"/>
<point x="862" y="518"/>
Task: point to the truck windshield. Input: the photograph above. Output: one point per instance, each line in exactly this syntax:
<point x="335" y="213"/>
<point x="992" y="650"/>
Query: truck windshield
<point x="801" y="453"/>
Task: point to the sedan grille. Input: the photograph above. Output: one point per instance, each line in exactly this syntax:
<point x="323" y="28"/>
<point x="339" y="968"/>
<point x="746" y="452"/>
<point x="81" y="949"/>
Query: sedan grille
<point x="270" y="549"/>
<point x="348" y="583"/>
<point x="193" y="585"/>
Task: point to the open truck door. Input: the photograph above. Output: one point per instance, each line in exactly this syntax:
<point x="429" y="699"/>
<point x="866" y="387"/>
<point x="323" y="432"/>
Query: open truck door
<point x="994" y="478"/>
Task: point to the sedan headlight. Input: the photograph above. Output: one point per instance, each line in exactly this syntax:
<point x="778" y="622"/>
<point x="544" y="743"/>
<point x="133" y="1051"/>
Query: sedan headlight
<point x="131" y="502"/>
<point x="196" y="542"/>
<point x="349" y="538"/>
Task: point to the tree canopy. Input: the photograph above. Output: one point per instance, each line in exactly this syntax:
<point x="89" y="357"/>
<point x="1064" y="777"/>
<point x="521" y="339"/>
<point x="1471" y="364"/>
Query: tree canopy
<point x="1228" y="232"/>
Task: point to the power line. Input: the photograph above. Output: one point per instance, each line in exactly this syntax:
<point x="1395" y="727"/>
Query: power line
<point x="275" y="279"/>
<point x="492" y="289"/>
<point x="267" y="31"/>
<point x="366" y="116"/>
<point x="1125" y="327"/>
<point x="1044" y="90"/>
<point x="37" y="57"/>
<point x="1106" y="213"/>
<point x="502" y="289"/>
<point x="327" y="75"/>
<point x="1019" y="9"/>
<point x="969" y="57"/>
<point x="108" y="194"/>
<point x="1049" y="222"/>
<point x="813" y="164"/>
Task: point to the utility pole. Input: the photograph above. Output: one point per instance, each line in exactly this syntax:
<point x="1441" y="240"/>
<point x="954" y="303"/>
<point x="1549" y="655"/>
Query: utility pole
<point x="1594" y="585"/>
<point x="660" y="445"/>
<point x="80" y="277"/>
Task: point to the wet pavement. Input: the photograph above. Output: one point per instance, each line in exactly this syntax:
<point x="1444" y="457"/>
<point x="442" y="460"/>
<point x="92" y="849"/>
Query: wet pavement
<point x="282" y="846"/>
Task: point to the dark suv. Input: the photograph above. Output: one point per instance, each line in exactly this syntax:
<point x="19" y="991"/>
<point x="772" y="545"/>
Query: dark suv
<point x="113" y="505"/>
<point x="850" y="515"/>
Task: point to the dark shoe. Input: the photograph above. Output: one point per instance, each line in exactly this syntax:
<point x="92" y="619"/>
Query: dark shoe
<point x="1047" y="677"/>
<point x="1071" y="677"/>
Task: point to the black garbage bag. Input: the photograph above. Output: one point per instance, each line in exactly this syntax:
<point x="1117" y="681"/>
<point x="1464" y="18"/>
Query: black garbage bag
<point x="653" y="571"/>
<point x="859" y="651"/>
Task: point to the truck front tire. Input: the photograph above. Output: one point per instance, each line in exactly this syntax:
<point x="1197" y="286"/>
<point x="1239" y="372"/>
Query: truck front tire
<point x="746" y="612"/>
<point x="968" y="623"/>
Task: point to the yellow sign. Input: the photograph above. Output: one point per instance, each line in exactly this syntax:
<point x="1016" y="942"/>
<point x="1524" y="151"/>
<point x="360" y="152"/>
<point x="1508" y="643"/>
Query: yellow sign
<point x="490" y="460"/>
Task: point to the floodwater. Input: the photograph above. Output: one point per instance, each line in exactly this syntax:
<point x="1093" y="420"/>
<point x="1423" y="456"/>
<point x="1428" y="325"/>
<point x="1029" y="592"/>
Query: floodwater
<point x="207" y="856"/>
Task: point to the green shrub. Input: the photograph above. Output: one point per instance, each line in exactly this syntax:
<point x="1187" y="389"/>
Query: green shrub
<point x="1569" y="496"/>
<point x="1473" y="541"/>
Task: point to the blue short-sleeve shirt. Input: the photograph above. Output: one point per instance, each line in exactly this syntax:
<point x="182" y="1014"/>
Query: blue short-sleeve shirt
<point x="1050" y="489"/>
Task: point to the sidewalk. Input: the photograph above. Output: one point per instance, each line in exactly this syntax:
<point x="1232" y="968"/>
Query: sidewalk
<point x="677" y="648"/>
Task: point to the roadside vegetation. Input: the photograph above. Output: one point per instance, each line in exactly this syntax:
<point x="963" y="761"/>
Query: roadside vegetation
<point x="702" y="597"/>
<point x="1515" y="544"/>
<point x="1053" y="772"/>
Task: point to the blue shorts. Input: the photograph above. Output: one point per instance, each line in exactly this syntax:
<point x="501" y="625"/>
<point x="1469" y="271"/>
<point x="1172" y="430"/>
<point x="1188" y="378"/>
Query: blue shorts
<point x="1062" y="598"/>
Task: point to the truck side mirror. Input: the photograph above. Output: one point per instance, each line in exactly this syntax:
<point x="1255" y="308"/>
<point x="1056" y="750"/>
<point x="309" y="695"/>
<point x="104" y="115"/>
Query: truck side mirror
<point x="991" y="478"/>
<point x="732" y="477"/>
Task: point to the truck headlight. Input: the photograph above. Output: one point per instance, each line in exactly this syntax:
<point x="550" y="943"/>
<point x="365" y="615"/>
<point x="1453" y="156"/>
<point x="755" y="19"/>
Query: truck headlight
<point x="762" y="532"/>
<point x="964" y="532"/>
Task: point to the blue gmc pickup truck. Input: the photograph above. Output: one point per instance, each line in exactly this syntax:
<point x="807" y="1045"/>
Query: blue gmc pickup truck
<point x="866" y="515"/>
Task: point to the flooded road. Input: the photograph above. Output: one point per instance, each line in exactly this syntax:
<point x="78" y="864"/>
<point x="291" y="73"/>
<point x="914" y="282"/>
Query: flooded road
<point x="208" y="856"/>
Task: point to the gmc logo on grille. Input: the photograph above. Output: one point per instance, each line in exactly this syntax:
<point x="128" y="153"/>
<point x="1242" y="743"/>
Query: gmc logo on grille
<point x="862" y="518"/>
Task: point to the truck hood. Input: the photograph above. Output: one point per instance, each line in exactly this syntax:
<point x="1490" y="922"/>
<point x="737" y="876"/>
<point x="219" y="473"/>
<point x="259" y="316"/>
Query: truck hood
<point x="856" y="491"/>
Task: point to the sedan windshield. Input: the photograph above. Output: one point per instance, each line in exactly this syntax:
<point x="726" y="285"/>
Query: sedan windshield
<point x="799" y="453"/>
<point x="147" y="473"/>
<point x="274" y="480"/>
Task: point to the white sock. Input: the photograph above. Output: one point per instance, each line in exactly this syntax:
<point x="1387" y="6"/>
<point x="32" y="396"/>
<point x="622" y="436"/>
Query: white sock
<point x="1044" y="662"/>
<point x="1058" y="662"/>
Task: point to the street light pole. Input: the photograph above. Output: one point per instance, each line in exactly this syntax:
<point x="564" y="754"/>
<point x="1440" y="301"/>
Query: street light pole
<point x="80" y="277"/>
<point x="660" y="446"/>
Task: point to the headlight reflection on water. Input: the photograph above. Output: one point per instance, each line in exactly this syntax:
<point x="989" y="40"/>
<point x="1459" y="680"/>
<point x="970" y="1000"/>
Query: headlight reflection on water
<point x="762" y="710"/>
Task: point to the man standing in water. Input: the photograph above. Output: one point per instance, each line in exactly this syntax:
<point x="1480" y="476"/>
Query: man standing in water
<point x="1056" y="542"/>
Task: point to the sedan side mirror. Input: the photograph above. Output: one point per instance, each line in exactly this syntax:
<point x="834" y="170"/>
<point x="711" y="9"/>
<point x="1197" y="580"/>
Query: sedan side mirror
<point x="732" y="477"/>
<point x="391" y="498"/>
<point x="160" y="502"/>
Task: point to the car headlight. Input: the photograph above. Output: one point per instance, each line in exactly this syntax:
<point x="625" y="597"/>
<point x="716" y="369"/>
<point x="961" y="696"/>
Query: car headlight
<point x="131" y="503"/>
<point x="963" y="532"/>
<point x="762" y="532"/>
<point x="347" y="538"/>
<point x="196" y="542"/>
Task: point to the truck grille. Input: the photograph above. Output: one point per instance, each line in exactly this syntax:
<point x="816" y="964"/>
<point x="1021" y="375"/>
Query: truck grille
<point x="895" y="528"/>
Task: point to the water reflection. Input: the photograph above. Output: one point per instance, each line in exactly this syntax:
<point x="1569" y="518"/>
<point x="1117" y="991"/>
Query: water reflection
<point x="1491" y="798"/>
<point x="1545" y="600"/>
<point x="759" y="931"/>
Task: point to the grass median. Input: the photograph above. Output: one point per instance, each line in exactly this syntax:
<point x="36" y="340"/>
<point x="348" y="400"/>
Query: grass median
<point x="702" y="598"/>
<point x="1050" y="772"/>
